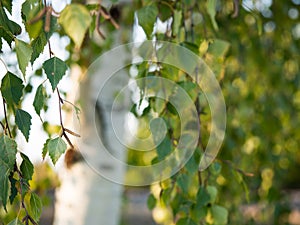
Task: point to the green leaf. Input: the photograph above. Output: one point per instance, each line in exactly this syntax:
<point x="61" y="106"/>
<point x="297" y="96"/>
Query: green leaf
<point x="26" y="167"/>
<point x="7" y="4"/>
<point x="215" y="168"/>
<point x="164" y="148"/>
<point x="211" y="10"/>
<point x="6" y="35"/>
<point x="4" y="190"/>
<point x="23" y="121"/>
<point x="16" y="222"/>
<point x="39" y="99"/>
<point x="8" y="151"/>
<point x="219" y="215"/>
<point x="38" y="45"/>
<point x="11" y="88"/>
<point x="186" y="221"/>
<point x="55" y="69"/>
<point x="183" y="181"/>
<point x="147" y="18"/>
<point x="24" y="52"/>
<point x="75" y="19"/>
<point x="212" y="191"/>
<point x="56" y="147"/>
<point x="30" y="10"/>
<point x="35" y="206"/>
<point x="202" y="197"/>
<point x="45" y="148"/>
<point x="10" y="26"/>
<point x="218" y="48"/>
<point x="13" y="189"/>
<point x="151" y="201"/>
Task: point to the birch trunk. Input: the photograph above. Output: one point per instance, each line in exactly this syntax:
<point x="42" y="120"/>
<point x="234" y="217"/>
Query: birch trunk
<point x="85" y="197"/>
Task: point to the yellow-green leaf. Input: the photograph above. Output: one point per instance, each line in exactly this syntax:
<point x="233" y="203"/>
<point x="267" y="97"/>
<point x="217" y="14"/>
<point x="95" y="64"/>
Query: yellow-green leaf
<point x="75" y="19"/>
<point x="24" y="52"/>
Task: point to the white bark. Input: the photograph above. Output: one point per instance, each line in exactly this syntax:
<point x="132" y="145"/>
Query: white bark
<point x="85" y="197"/>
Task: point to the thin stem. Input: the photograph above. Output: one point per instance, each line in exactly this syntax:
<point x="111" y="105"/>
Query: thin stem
<point x="229" y="163"/>
<point x="4" y="64"/>
<point x="60" y="101"/>
<point x="64" y="130"/>
<point x="5" y="116"/>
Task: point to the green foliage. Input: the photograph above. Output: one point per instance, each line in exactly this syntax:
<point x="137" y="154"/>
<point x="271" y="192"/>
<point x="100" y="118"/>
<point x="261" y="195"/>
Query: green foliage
<point x="260" y="83"/>
<point x="56" y="147"/>
<point x="55" y="69"/>
<point x="24" y="52"/>
<point x="23" y="121"/>
<point x="75" y="19"/>
<point x="35" y="206"/>
<point x="147" y="17"/>
<point x="12" y="89"/>
<point x="26" y="167"/>
<point x="39" y="99"/>
<point x="8" y="150"/>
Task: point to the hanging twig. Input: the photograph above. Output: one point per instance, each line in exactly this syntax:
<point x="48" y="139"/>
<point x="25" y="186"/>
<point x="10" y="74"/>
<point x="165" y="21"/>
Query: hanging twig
<point x="236" y="8"/>
<point x="5" y="116"/>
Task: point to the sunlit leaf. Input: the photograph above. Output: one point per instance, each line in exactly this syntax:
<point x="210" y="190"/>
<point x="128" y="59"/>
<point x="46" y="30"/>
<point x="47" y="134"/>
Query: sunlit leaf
<point x="75" y="19"/>
<point x="147" y="17"/>
<point x="16" y="222"/>
<point x="219" y="215"/>
<point x="211" y="9"/>
<point x="56" y="147"/>
<point x="24" y="52"/>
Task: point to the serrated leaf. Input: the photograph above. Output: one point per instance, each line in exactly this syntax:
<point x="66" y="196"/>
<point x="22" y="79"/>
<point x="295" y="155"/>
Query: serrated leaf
<point x="16" y="222"/>
<point x="45" y="148"/>
<point x="147" y="18"/>
<point x="211" y="10"/>
<point x="11" y="88"/>
<point x="151" y="201"/>
<point x="26" y="167"/>
<point x="23" y="51"/>
<point x="38" y="45"/>
<point x="56" y="147"/>
<point x="23" y="121"/>
<point x="219" y="215"/>
<point x="39" y="99"/>
<point x="35" y="206"/>
<point x="75" y="19"/>
<point x="8" y="151"/>
<point x="55" y="69"/>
